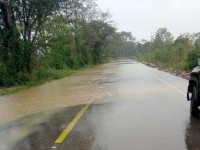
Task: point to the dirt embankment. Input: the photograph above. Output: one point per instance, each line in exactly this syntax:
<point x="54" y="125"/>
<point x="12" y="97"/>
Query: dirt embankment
<point x="180" y="73"/>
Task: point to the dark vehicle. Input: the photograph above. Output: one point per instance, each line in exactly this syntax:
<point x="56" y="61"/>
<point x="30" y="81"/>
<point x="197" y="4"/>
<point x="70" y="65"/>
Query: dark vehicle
<point x="193" y="93"/>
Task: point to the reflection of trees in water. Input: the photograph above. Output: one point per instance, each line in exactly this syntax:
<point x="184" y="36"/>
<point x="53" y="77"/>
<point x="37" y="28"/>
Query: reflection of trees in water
<point x="192" y="134"/>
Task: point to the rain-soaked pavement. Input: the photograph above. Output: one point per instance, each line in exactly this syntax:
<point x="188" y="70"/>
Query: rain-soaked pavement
<point x="134" y="107"/>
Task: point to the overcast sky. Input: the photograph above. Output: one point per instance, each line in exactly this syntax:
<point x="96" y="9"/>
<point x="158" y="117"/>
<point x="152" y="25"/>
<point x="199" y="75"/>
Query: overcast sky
<point x="144" y="17"/>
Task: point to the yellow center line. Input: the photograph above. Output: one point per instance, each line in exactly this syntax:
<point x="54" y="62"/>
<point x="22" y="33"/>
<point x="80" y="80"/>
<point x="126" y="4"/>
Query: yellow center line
<point x="168" y="84"/>
<point x="69" y="128"/>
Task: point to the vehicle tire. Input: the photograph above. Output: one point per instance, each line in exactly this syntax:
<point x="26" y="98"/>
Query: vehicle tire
<point x="194" y="103"/>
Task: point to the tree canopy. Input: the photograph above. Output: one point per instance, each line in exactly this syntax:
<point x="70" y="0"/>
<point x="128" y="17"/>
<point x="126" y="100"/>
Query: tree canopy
<point x="53" y="34"/>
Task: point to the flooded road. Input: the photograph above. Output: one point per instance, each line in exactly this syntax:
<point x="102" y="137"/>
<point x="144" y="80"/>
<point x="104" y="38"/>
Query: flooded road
<point x="74" y="90"/>
<point x="134" y="107"/>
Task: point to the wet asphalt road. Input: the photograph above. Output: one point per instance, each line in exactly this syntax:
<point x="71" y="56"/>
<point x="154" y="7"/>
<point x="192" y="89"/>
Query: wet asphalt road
<point x="147" y="109"/>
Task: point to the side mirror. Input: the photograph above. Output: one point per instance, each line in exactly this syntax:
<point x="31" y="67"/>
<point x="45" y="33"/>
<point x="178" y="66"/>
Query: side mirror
<point x="198" y="61"/>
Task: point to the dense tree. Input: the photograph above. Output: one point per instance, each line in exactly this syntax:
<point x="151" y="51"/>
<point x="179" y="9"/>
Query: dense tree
<point x="126" y="36"/>
<point x="161" y="38"/>
<point x="20" y="21"/>
<point x="180" y="53"/>
<point x="50" y="34"/>
<point x="121" y="44"/>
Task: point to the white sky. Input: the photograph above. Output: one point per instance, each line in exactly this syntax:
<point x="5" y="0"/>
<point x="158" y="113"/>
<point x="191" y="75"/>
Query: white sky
<point x="144" y="17"/>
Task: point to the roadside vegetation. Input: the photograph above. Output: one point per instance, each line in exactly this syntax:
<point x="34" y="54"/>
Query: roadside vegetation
<point x="42" y="40"/>
<point x="166" y="52"/>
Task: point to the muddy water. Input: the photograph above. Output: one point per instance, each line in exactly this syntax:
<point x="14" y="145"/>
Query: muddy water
<point x="83" y="87"/>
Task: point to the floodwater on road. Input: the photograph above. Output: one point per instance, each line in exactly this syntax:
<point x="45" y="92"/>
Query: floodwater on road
<point x="134" y="107"/>
<point x="77" y="89"/>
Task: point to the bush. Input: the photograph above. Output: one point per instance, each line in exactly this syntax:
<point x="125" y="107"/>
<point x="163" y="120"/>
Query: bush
<point x="41" y="74"/>
<point x="191" y="60"/>
<point x="6" y="79"/>
<point x="72" y="62"/>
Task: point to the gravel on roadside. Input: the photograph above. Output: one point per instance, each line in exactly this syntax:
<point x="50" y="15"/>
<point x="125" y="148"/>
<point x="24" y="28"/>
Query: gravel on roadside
<point x="180" y="73"/>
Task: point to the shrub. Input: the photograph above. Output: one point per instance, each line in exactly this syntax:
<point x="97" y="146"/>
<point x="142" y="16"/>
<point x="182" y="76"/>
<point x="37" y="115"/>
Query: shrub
<point x="191" y="60"/>
<point x="5" y="78"/>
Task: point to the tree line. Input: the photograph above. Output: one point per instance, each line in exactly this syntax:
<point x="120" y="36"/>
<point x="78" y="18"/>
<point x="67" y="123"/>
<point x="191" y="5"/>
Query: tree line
<point x="39" y="38"/>
<point x="41" y="35"/>
<point x="163" y="49"/>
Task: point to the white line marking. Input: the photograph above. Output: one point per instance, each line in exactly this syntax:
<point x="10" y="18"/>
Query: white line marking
<point x="165" y="82"/>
